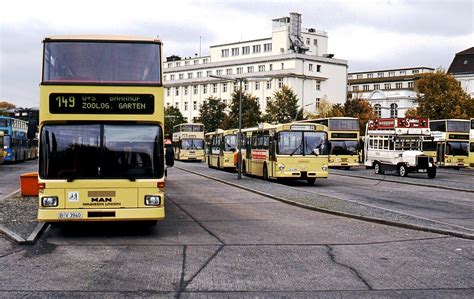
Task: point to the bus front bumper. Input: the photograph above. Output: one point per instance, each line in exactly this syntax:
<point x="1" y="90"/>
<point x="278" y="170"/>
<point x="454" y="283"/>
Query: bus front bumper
<point x="59" y="215"/>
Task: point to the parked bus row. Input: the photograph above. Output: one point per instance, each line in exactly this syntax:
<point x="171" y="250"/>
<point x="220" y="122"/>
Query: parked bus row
<point x="17" y="146"/>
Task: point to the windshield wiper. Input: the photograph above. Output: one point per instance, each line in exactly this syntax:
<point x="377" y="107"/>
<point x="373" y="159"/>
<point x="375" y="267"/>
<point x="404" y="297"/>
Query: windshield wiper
<point x="294" y="151"/>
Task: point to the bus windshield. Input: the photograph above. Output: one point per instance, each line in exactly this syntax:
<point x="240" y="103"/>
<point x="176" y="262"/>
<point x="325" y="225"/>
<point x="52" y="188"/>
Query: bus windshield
<point x="7" y="140"/>
<point x="298" y="143"/>
<point x="343" y="147"/>
<point x="456" y="148"/>
<point x="70" y="151"/>
<point x="3" y="122"/>
<point x="192" y="144"/>
<point x="102" y="62"/>
<point x="230" y="143"/>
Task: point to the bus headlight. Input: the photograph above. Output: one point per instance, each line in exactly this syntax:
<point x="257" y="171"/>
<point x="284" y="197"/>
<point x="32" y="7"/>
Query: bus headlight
<point x="152" y="200"/>
<point x="324" y="167"/>
<point x="49" y="201"/>
<point x="281" y="166"/>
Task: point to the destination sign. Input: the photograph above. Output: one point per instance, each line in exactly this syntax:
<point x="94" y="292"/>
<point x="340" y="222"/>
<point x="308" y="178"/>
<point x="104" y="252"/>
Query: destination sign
<point x="343" y="135"/>
<point x="85" y="103"/>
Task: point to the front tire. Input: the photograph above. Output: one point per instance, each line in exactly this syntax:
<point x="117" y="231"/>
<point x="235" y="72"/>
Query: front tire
<point x="377" y="168"/>
<point x="244" y="168"/>
<point x="265" y="172"/>
<point x="310" y="181"/>
<point x="432" y="173"/>
<point x="402" y="170"/>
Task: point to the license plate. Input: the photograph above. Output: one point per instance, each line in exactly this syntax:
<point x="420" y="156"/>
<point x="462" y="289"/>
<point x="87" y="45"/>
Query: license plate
<point x="70" y="215"/>
<point x="421" y="170"/>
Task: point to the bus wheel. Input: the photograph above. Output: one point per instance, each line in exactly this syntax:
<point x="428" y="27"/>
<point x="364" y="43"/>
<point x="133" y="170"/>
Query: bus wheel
<point x="402" y="170"/>
<point x="310" y="181"/>
<point x="432" y="173"/>
<point x="209" y="162"/>
<point x="377" y="168"/>
<point x="244" y="168"/>
<point x="265" y="172"/>
<point x="347" y="168"/>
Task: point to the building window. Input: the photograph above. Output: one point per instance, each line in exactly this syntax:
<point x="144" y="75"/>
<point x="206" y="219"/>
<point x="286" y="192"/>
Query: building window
<point x="318" y="85"/>
<point x="282" y="66"/>
<point x="199" y="74"/>
<point x="398" y="85"/>
<point x="168" y="104"/>
<point x="270" y="67"/>
<point x="228" y="71"/>
<point x="186" y="62"/>
<point x="403" y="73"/>
<point x="365" y="87"/>
<point x="316" y="102"/>
<point x="190" y="75"/>
<point x="246" y="50"/>
<point x="269" y="84"/>
<point x="165" y="77"/>
<point x="315" y="42"/>
<point x="195" y="89"/>
<point x="393" y="110"/>
<point x="170" y="64"/>
<point x="181" y="76"/>
<point x="257" y="85"/>
<point x="411" y="84"/>
<point x="391" y="74"/>
<point x="185" y="106"/>
<point x="370" y="75"/>
<point x="178" y="63"/>
<point x="177" y="91"/>
<point x="205" y="60"/>
<point x="308" y="41"/>
<point x="236" y="86"/>
<point x="267" y="47"/>
<point x="379" y="75"/>
<point x="235" y="51"/>
<point x="280" y="82"/>
<point x="256" y="49"/>
<point x="219" y="72"/>
<point x="355" y="88"/>
<point x="171" y="77"/>
<point x="359" y="76"/>
<point x="246" y="85"/>
<point x="261" y="68"/>
<point x="310" y="67"/>
<point x="196" y="61"/>
<point x="387" y="86"/>
<point x="415" y="71"/>
<point x="240" y="70"/>
<point x="204" y="89"/>
<point x="224" y="87"/>
<point x="214" y="88"/>
<point x="376" y="86"/>
<point x="195" y="105"/>
<point x="176" y="105"/>
<point x="318" y="68"/>
<point x="168" y="92"/>
<point x="378" y="110"/>
<point x="208" y="73"/>
<point x="225" y="52"/>
<point x="185" y="90"/>
<point x="250" y="69"/>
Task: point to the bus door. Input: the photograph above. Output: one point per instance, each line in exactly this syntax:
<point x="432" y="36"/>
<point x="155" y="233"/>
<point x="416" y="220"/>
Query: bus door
<point x="440" y="150"/>
<point x="272" y="153"/>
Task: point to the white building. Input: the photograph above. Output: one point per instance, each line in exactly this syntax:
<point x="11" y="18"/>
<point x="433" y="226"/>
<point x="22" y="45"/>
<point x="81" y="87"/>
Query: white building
<point x="462" y="68"/>
<point x="293" y="56"/>
<point x="390" y="92"/>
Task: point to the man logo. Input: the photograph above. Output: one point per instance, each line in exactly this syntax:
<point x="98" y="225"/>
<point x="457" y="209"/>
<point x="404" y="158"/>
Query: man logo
<point x="101" y="199"/>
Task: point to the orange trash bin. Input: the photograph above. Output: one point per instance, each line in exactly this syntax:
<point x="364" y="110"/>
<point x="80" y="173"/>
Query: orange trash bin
<point x="29" y="184"/>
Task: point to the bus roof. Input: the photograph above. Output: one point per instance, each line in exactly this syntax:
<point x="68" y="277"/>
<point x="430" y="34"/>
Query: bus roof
<point x="98" y="37"/>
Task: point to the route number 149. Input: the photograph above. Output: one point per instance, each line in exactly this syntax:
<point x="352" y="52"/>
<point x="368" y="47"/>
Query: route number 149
<point x="66" y="101"/>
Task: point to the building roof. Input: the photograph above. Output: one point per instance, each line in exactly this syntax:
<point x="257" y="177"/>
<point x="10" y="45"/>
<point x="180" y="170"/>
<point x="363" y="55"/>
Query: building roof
<point x="463" y="62"/>
<point x="388" y="70"/>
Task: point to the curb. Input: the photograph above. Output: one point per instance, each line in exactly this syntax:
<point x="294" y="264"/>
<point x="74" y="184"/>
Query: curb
<point x="348" y="215"/>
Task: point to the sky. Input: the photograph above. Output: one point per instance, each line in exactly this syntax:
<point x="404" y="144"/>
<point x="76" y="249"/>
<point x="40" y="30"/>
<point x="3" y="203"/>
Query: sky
<point x="369" y="34"/>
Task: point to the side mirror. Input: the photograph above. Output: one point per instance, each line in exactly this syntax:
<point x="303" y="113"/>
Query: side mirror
<point x="169" y="157"/>
<point x="316" y="151"/>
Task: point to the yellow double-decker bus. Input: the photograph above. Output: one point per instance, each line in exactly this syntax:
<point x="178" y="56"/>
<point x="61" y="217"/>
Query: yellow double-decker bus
<point x="221" y="147"/>
<point x="286" y="151"/>
<point x="343" y="136"/>
<point x="188" y="142"/>
<point x="101" y="130"/>
<point x="471" y="145"/>
<point x="449" y="143"/>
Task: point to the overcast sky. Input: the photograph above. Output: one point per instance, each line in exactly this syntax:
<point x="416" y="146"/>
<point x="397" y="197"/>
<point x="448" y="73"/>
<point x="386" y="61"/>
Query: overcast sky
<point x="369" y="34"/>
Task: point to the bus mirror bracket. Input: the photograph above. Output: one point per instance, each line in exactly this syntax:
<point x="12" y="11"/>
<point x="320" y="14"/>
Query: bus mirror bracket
<point x="169" y="157"/>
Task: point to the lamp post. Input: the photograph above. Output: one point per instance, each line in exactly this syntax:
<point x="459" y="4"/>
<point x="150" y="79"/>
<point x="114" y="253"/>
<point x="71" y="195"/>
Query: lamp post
<point x="239" y="136"/>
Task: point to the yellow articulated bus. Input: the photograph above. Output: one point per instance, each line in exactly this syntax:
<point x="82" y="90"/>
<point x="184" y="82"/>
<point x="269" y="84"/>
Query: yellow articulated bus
<point x="101" y="130"/>
<point x="343" y="136"/>
<point x="449" y="143"/>
<point x="221" y="146"/>
<point x="188" y="142"/>
<point x="286" y="151"/>
<point x="471" y="145"/>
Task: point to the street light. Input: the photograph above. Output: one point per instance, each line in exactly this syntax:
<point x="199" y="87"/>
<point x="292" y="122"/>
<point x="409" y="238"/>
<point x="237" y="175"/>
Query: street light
<point x="239" y="137"/>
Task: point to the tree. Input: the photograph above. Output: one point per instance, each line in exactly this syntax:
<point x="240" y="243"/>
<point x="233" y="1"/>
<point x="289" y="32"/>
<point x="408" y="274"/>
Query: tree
<point x="251" y="114"/>
<point x="173" y="117"/>
<point x="4" y="105"/>
<point x="283" y="107"/>
<point x="440" y="96"/>
<point x="324" y="108"/>
<point x="212" y="113"/>
<point x="412" y="113"/>
<point x="337" y="110"/>
<point x="360" y="109"/>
